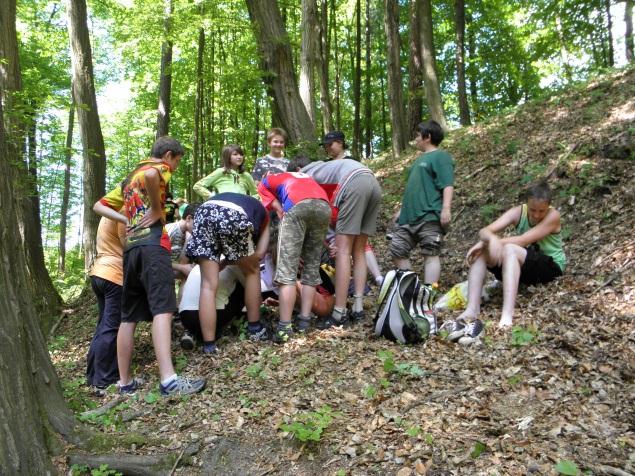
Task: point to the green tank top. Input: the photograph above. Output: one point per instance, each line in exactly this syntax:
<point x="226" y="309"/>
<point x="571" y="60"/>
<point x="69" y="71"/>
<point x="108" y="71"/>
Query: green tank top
<point x="550" y="245"/>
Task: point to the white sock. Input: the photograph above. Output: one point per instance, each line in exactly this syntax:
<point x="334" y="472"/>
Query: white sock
<point x="358" y="303"/>
<point x="168" y="380"/>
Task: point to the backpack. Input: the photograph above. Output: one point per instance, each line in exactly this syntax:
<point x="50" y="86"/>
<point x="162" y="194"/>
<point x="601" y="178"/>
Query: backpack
<point x="404" y="308"/>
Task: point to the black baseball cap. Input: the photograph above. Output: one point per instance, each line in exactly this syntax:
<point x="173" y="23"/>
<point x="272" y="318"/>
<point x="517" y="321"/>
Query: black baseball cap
<point x="332" y="137"/>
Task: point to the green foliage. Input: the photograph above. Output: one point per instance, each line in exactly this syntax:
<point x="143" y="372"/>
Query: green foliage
<point x="522" y="336"/>
<point x="369" y="392"/>
<point x="413" y="431"/>
<point x="151" y="398"/>
<point x="256" y="371"/>
<point x="478" y="450"/>
<point x="567" y="467"/>
<point x="401" y="369"/>
<point x="514" y="380"/>
<point x="309" y="426"/>
<point x="103" y="470"/>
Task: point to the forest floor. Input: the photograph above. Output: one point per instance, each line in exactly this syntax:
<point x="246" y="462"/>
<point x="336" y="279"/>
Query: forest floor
<point x="556" y="394"/>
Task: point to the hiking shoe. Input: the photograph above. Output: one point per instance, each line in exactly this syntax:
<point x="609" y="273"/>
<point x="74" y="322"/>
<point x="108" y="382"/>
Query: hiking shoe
<point x="210" y="348"/>
<point x="261" y="335"/>
<point x="472" y="332"/>
<point x="98" y="391"/>
<point x="455" y="329"/>
<point x="283" y="334"/>
<point x="187" y="341"/>
<point x="330" y="321"/>
<point x="357" y="316"/>
<point x="182" y="386"/>
<point x="131" y="388"/>
<point x="302" y="323"/>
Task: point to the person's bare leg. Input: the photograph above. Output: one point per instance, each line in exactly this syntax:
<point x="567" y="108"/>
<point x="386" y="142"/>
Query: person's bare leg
<point x="513" y="258"/>
<point x="475" y="280"/>
<point x="402" y="263"/>
<point x="360" y="271"/>
<point x="125" y="347"/>
<point x="286" y="296"/>
<point x="344" y="245"/>
<point x="253" y="298"/>
<point x="207" y="298"/>
<point x="432" y="269"/>
<point x="308" y="295"/>
<point x="373" y="265"/>
<point x="162" y="339"/>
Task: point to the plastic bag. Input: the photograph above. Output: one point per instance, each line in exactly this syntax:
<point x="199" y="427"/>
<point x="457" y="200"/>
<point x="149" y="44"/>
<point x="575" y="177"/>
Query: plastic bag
<point x="456" y="298"/>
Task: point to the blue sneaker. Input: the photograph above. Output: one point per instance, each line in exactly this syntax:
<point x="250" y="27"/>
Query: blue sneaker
<point x="210" y="348"/>
<point x="261" y="335"/>
<point x="183" y="386"/>
<point x="131" y="388"/>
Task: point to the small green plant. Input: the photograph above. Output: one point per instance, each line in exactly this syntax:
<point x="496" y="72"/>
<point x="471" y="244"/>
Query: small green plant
<point x="370" y="392"/>
<point x="489" y="212"/>
<point x="402" y="369"/>
<point x="103" y="470"/>
<point x="514" y="380"/>
<point x="256" y="371"/>
<point x="428" y="438"/>
<point x="180" y="363"/>
<point x="413" y="431"/>
<point x="522" y="336"/>
<point x="151" y="397"/>
<point x="479" y="448"/>
<point x="567" y="467"/>
<point x="309" y="426"/>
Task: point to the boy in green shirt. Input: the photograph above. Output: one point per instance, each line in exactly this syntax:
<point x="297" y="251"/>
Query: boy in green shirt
<point x="425" y="208"/>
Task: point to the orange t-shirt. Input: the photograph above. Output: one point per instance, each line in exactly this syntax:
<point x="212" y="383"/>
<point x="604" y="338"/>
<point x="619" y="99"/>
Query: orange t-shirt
<point x="108" y="263"/>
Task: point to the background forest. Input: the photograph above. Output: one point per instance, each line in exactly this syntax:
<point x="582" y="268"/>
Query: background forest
<point x="199" y="71"/>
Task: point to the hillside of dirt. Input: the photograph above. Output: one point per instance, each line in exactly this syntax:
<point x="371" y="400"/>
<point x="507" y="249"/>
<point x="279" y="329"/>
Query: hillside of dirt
<point x="555" y="394"/>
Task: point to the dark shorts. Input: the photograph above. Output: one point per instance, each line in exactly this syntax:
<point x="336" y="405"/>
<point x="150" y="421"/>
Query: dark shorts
<point x="220" y="230"/>
<point x="428" y="234"/>
<point x="537" y="268"/>
<point x="148" y="284"/>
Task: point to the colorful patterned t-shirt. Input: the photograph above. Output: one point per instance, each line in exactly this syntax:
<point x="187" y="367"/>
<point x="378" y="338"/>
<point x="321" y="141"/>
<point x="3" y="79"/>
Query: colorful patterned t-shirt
<point x="132" y="194"/>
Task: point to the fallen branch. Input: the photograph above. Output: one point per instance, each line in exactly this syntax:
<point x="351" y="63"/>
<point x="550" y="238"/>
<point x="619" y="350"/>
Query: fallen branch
<point x="176" y="463"/>
<point x="604" y="469"/>
<point x="104" y="408"/>
<point x="477" y="171"/>
<point x="435" y="396"/>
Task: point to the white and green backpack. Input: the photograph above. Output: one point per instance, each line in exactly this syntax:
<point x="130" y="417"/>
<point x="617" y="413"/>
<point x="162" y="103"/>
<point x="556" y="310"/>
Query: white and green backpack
<point x="405" y="309"/>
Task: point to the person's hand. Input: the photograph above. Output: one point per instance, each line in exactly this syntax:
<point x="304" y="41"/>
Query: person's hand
<point x="446" y="217"/>
<point x="332" y="249"/>
<point x="474" y="252"/>
<point x="150" y="218"/>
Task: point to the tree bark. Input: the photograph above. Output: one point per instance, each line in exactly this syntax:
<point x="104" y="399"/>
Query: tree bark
<point x="415" y="71"/>
<point x="338" y="66"/>
<point x="323" y="70"/>
<point x="430" y="78"/>
<point x="165" y="82"/>
<point x="68" y="154"/>
<point x="395" y="97"/>
<point x="275" y="50"/>
<point x="310" y="33"/>
<point x="32" y="408"/>
<point x="93" y="151"/>
<point x="198" y="108"/>
<point x="629" y="44"/>
<point x="368" y="109"/>
<point x="357" y="82"/>
<point x="459" y="23"/>
<point x="609" y="33"/>
<point x="471" y="70"/>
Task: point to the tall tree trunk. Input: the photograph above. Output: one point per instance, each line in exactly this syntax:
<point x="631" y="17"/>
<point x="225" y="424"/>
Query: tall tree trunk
<point x="459" y="22"/>
<point x="609" y="33"/>
<point x="430" y="78"/>
<point x="395" y="97"/>
<point x="471" y="69"/>
<point x="68" y="155"/>
<point x="338" y="66"/>
<point x="256" y="135"/>
<point x="564" y="53"/>
<point x="415" y="71"/>
<point x="94" y="154"/>
<point x="368" y="109"/>
<point x="384" y="118"/>
<point x="357" y="82"/>
<point x="165" y="83"/>
<point x="198" y="108"/>
<point x="32" y="407"/>
<point x="275" y="50"/>
<point x="628" y="36"/>
<point x="310" y="34"/>
<point x="323" y="70"/>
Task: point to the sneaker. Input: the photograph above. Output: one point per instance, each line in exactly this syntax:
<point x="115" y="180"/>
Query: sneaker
<point x="183" y="386"/>
<point x="357" y="316"/>
<point x="331" y="321"/>
<point x="98" y="391"/>
<point x="210" y="348"/>
<point x="261" y="335"/>
<point x="455" y="329"/>
<point x="283" y="334"/>
<point x="472" y="332"/>
<point x="302" y="323"/>
<point x="131" y="388"/>
<point x="187" y="341"/>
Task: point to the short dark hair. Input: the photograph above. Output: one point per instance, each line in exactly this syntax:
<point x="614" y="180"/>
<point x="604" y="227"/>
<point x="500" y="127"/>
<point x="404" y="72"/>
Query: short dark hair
<point x="190" y="210"/>
<point x="432" y="129"/>
<point x="297" y="163"/>
<point x="539" y="191"/>
<point x="166" y="144"/>
<point x="226" y="156"/>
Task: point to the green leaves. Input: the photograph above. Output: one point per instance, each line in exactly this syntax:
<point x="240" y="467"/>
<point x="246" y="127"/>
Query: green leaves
<point x="522" y="336"/>
<point x="309" y="426"/>
<point x="567" y="467"/>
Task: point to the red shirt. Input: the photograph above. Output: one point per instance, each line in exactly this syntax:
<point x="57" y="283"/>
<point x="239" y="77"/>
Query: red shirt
<point x="289" y="188"/>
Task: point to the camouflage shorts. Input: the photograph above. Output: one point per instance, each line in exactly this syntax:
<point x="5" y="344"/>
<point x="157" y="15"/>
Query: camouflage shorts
<point x="302" y="233"/>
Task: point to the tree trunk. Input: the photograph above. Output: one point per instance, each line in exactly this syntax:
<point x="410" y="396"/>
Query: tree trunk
<point x="431" y="81"/>
<point x="94" y="154"/>
<point x="275" y="50"/>
<point x="198" y="108"/>
<point x="628" y="35"/>
<point x="395" y="97"/>
<point x="338" y="66"/>
<point x="32" y="408"/>
<point x="609" y="33"/>
<point x="357" y="82"/>
<point x="415" y="71"/>
<point x="384" y="119"/>
<point x="165" y="83"/>
<point x="471" y="70"/>
<point x="459" y="22"/>
<point x="323" y="70"/>
<point x="310" y="33"/>
<point x="368" y="109"/>
<point x="68" y="155"/>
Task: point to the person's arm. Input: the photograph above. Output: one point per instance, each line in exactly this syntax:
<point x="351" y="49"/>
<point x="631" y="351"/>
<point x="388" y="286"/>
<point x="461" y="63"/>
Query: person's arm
<point x="266" y="195"/>
<point x="153" y="189"/>
<point x="203" y="187"/>
<point x="446" y="214"/>
<point x="263" y="241"/>
<point x="250" y="185"/>
<point x="100" y="209"/>
<point x="490" y="238"/>
<point x="548" y="225"/>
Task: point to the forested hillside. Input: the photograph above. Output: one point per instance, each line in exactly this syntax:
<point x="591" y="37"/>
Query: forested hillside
<point x="553" y="395"/>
